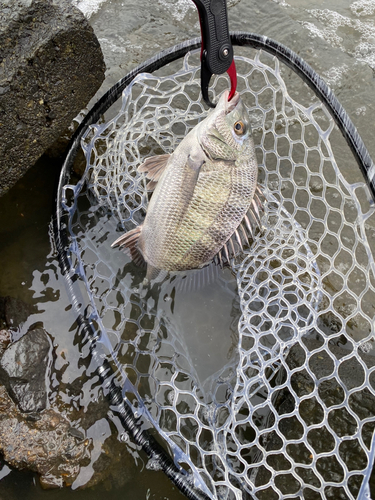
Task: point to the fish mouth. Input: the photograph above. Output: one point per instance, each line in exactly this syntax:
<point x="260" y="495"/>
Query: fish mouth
<point x="233" y="102"/>
<point x="225" y="105"/>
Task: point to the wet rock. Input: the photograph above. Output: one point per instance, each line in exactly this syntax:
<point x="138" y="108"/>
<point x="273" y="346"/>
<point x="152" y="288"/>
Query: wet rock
<point x="51" y="65"/>
<point x="114" y="466"/>
<point x="44" y="445"/>
<point x="59" y="147"/>
<point x="110" y="463"/>
<point x="14" y="312"/>
<point x="47" y="443"/>
<point x="5" y="340"/>
<point x="23" y="370"/>
<point x="66" y="444"/>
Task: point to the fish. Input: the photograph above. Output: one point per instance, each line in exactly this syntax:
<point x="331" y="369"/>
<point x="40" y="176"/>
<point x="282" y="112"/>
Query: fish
<point x="205" y="195"/>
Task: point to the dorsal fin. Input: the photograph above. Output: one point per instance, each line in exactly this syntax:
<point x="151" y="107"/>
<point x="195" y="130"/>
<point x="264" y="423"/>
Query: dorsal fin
<point x="231" y="249"/>
<point x="154" y="167"/>
<point x="246" y="231"/>
<point x="130" y="240"/>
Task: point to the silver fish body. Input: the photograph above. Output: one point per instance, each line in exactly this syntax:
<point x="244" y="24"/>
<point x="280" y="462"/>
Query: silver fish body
<point x="202" y="192"/>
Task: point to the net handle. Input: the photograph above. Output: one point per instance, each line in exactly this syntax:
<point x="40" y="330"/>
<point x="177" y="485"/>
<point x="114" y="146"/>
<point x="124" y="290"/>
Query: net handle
<point x="60" y="230"/>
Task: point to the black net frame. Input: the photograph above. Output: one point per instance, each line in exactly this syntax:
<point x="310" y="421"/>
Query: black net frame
<point x="89" y="331"/>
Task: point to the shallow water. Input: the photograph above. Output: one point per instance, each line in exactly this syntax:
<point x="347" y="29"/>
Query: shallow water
<point x="336" y="37"/>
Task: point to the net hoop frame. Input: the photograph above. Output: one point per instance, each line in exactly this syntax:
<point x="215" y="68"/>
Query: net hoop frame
<point x="88" y="332"/>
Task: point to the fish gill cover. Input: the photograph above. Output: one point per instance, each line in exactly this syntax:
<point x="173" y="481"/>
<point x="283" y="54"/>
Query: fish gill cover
<point x="287" y="408"/>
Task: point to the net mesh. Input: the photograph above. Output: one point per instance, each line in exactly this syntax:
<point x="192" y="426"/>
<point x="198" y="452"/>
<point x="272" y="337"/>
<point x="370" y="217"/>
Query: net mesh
<point x="278" y="400"/>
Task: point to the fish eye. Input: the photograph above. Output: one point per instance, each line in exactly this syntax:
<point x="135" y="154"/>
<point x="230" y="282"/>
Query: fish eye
<point x="239" y="128"/>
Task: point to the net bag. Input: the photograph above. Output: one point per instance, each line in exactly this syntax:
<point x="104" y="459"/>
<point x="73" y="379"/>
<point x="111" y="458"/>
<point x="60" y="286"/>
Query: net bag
<point x="286" y="407"/>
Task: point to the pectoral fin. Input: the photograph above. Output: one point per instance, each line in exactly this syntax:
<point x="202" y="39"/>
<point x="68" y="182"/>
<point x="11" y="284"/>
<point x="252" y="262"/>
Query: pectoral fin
<point x="154" y="167"/>
<point x="194" y="163"/>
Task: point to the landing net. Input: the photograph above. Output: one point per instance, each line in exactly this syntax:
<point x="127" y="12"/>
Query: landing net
<point x="288" y="411"/>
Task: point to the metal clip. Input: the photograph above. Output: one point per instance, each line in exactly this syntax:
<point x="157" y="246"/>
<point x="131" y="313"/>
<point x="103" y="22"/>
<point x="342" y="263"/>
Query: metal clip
<point x="217" y="50"/>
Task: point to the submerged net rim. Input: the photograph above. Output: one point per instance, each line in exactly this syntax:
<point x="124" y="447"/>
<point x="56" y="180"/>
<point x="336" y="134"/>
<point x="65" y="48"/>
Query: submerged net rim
<point x="88" y="331"/>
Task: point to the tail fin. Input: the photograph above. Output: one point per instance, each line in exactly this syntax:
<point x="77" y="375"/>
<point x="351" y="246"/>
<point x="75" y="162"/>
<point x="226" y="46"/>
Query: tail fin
<point x="130" y="240"/>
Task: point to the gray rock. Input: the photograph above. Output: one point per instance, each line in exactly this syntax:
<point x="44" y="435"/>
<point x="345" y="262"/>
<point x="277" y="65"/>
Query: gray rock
<point x="43" y="445"/>
<point x="23" y="370"/>
<point x="51" y="65"/>
<point x="61" y="454"/>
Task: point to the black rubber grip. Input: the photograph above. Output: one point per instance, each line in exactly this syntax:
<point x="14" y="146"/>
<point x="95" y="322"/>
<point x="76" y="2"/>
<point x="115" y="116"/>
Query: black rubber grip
<point x="217" y="47"/>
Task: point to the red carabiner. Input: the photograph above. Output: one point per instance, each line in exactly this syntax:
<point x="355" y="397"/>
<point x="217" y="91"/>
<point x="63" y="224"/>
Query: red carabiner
<point x="233" y="79"/>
